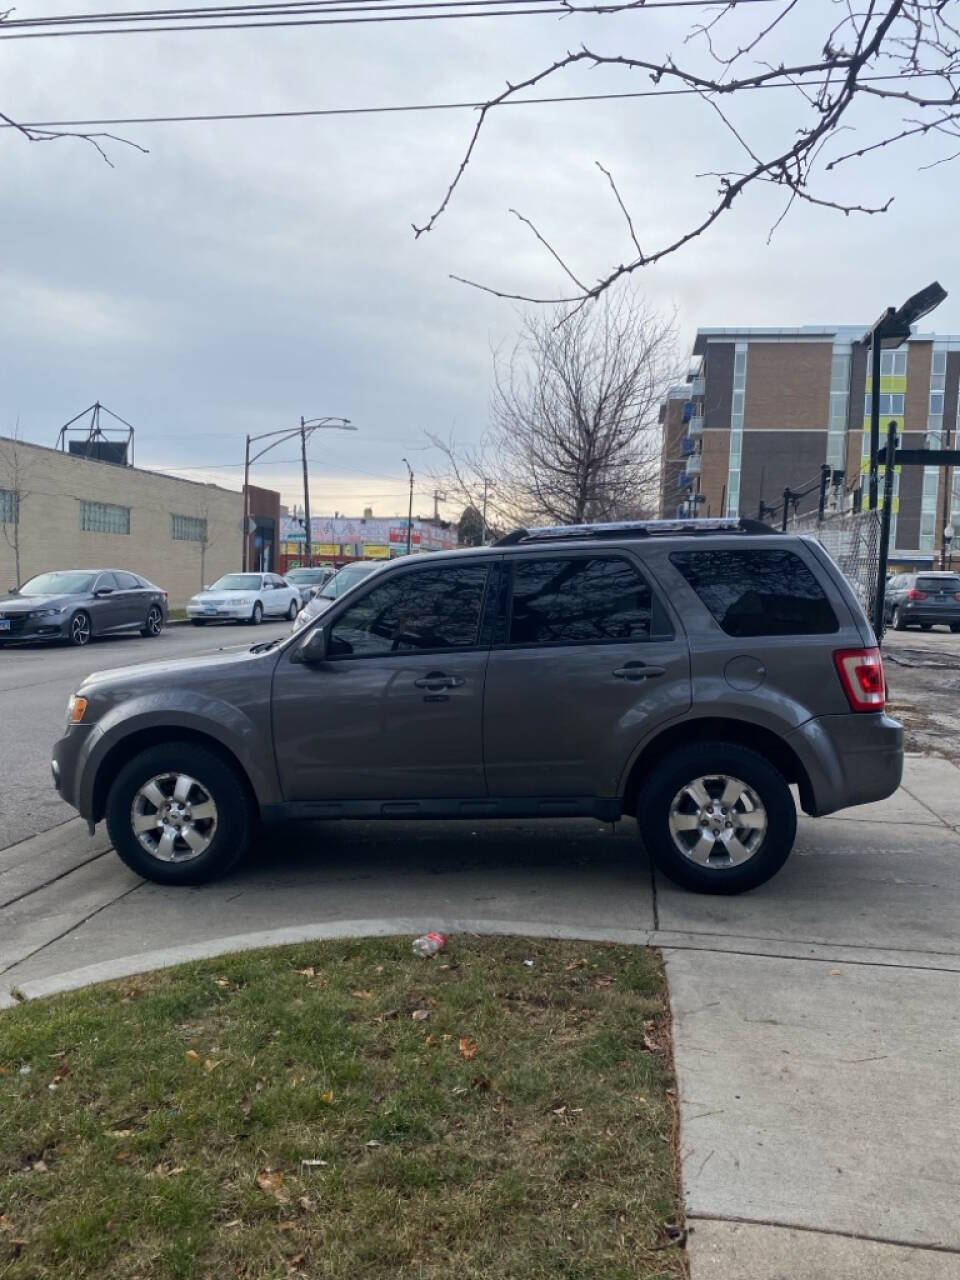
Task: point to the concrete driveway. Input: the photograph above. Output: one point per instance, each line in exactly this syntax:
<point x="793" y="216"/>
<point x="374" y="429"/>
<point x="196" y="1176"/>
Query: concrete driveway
<point x="815" y="1020"/>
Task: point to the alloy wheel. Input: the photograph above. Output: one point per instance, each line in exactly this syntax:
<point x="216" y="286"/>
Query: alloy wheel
<point x="717" y="821"/>
<point x="80" y="629"/>
<point x="174" y="817"/>
<point x="154" y="621"/>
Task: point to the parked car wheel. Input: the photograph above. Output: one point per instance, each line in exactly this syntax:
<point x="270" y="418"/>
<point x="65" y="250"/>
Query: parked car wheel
<point x="292" y="611"/>
<point x="80" y="629"/>
<point x="179" y="814"/>
<point x="154" y="623"/>
<point x="257" y="616"/>
<point x="955" y="627"/>
<point x="898" y="621"/>
<point x="717" y="818"/>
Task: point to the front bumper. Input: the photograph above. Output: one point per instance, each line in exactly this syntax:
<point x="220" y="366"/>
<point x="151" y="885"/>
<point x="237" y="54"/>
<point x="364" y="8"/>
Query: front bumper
<point x="849" y="759"/>
<point x="54" y="627"/>
<point x="222" y="613"/>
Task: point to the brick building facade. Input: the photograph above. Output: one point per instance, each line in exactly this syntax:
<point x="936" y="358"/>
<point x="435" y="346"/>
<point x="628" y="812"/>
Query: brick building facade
<point x="765" y="409"/>
<point x="74" y="512"/>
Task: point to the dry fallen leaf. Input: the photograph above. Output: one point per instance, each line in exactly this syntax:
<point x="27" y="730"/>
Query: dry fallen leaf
<point x="309" y="972"/>
<point x="431" y="1042"/>
<point x="603" y="982"/>
<point x="379" y="968"/>
<point x="192" y="1056"/>
<point x="270" y="1181"/>
<point x="222" y="982"/>
<point x="362" y="995"/>
<point x="297" y="1259"/>
<point x="327" y="1097"/>
<point x="420" y="1015"/>
<point x="123" y="1157"/>
<point x="836" y="973"/>
<point x="468" y="1047"/>
<point x="63" y="1071"/>
<point x="305" y="1203"/>
<point x="651" y="1045"/>
<point x="119" y="1133"/>
<point x="211" y="1064"/>
<point x="373" y="1143"/>
<point x="576" y="964"/>
<point x="237" y="1222"/>
<point x="40" y="1166"/>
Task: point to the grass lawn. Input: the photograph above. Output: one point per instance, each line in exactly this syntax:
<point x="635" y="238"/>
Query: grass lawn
<point x="347" y="1110"/>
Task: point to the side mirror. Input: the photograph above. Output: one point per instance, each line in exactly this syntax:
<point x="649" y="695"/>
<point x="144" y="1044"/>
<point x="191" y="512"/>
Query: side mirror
<point x="313" y="649"/>
<point x="14" y="591"/>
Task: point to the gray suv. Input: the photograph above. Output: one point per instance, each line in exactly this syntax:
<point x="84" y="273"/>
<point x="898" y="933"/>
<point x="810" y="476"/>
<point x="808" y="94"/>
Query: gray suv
<point x="686" y="674"/>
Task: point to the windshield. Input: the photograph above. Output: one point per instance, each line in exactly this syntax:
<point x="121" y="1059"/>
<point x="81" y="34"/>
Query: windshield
<point x="938" y="584"/>
<point x="346" y="578"/>
<point x="237" y="582"/>
<point x="69" y="583"/>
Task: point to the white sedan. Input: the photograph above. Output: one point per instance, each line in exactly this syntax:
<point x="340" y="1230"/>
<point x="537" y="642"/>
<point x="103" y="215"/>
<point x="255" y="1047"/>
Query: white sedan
<point x="245" y="597"/>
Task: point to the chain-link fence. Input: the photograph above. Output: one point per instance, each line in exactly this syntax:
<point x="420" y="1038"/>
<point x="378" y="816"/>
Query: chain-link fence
<point x="853" y="539"/>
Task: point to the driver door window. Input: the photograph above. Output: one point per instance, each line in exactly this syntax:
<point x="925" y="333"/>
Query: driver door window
<point x="431" y="611"/>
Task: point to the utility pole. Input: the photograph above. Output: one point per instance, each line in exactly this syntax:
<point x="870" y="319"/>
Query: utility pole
<point x="246" y="503"/>
<point x="308" y="548"/>
<point x="438" y="497"/>
<point x="487" y="486"/>
<point x="946" y="510"/>
<point x="409" y="508"/>
<point x="787" y="495"/>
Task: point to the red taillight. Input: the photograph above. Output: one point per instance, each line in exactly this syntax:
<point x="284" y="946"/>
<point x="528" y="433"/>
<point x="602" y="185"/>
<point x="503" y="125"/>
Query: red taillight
<point x="861" y="674"/>
<point x="914" y="594"/>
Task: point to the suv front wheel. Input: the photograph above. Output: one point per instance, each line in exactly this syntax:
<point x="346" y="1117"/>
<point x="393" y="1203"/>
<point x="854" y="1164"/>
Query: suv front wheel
<point x="179" y="814"/>
<point x="717" y="818"/>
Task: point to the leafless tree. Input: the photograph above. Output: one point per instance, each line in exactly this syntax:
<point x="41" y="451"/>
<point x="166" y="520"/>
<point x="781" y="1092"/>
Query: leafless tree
<point x="574" y="434"/>
<point x="902" y="56"/>
<point x="14" y="479"/>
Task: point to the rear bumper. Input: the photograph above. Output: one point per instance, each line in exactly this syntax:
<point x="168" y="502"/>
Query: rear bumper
<point x="921" y="615"/>
<point x="850" y="759"/>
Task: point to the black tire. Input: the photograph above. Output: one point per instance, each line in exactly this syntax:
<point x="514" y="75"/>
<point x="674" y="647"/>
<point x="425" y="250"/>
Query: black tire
<point x="704" y="760"/>
<point x="235" y="813"/>
<point x="257" y="616"/>
<point x="154" y="623"/>
<point x="199" y="622"/>
<point x="898" y="622"/>
<point x="955" y="627"/>
<point x="80" y="631"/>
<point x="292" y="611"/>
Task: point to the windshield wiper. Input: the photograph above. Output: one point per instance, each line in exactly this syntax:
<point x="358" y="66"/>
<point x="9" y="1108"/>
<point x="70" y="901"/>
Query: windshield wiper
<point x="266" y="645"/>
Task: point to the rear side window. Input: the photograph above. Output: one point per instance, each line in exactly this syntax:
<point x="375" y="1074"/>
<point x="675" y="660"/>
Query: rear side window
<point x="758" y="592"/>
<point x="579" y="600"/>
<point x="952" y="585"/>
<point x="127" y="581"/>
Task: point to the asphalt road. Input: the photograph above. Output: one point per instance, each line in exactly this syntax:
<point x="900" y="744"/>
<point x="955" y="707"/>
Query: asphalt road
<point x="35" y="683"/>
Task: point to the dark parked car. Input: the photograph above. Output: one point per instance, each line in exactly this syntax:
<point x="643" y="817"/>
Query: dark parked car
<point x="77" y="605"/>
<point x="308" y="581"/>
<point x="334" y="588"/>
<point x="923" y="600"/>
<point x="682" y="673"/>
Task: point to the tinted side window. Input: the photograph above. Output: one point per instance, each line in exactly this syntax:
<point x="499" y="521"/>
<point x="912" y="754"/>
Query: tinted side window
<point x="104" y="582"/>
<point x="758" y="593"/>
<point x="127" y="581"/>
<point x="578" y="601"/>
<point x="429" y="609"/>
<point x="938" y="584"/>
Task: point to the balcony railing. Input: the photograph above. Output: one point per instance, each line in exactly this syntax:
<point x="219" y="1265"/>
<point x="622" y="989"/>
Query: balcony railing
<point x="695" y="426"/>
<point x="692" y="466"/>
<point x="697" y="387"/>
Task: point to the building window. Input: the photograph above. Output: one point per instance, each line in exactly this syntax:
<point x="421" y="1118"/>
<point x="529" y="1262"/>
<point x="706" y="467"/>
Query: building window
<point x="736" y="428"/>
<point x="188" y="528"/>
<point x="936" y="402"/>
<point x="839" y="406"/>
<point x="934" y="440"/>
<point x="891" y="404"/>
<point x="893" y="364"/>
<point x="9" y="513"/>
<point x="104" y="517"/>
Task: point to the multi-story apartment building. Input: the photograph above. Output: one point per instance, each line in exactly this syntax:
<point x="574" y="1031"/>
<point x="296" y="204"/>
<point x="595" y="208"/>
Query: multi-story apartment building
<point x="764" y="409"/>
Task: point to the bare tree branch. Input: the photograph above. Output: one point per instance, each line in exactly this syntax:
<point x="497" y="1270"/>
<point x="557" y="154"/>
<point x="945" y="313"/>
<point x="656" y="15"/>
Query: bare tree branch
<point x="904" y="52"/>
<point x="95" y="140"/>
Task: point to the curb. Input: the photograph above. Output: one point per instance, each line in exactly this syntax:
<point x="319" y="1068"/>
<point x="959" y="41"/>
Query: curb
<point x="375" y="927"/>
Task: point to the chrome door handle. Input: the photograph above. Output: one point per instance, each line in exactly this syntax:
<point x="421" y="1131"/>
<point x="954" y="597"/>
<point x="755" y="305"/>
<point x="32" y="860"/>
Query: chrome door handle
<point x="435" y="680"/>
<point x="638" y="671"/>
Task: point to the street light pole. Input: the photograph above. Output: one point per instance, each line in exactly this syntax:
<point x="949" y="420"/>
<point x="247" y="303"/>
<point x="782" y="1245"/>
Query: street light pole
<point x="409" y="508"/>
<point x="306" y="428"/>
<point x="874" y="412"/>
<point x="308" y="548"/>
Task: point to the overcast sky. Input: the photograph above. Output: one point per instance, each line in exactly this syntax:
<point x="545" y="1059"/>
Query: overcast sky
<point x="241" y="274"/>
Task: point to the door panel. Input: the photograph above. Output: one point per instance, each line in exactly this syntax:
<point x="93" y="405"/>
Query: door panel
<point x="564" y="717"/>
<point x="395" y="712"/>
<point x="132" y="599"/>
<point x="107" y="612"/>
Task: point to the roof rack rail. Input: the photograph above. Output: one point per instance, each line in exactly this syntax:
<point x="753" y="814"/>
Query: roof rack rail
<point x="635" y="529"/>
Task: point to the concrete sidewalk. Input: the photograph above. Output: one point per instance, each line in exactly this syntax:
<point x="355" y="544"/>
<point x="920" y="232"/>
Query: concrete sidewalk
<point x="815" y="1020"/>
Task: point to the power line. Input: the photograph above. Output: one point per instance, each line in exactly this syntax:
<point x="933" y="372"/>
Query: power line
<point x="26" y="28"/>
<point x="214" y="117"/>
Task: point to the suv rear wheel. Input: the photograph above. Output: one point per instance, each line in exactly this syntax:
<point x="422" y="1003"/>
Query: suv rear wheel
<point x="178" y="814"/>
<point x="717" y="818"/>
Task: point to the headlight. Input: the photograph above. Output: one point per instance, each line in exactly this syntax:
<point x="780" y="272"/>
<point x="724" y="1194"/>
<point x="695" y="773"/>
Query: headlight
<point x="76" y="709"/>
<point x="44" y="613"/>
